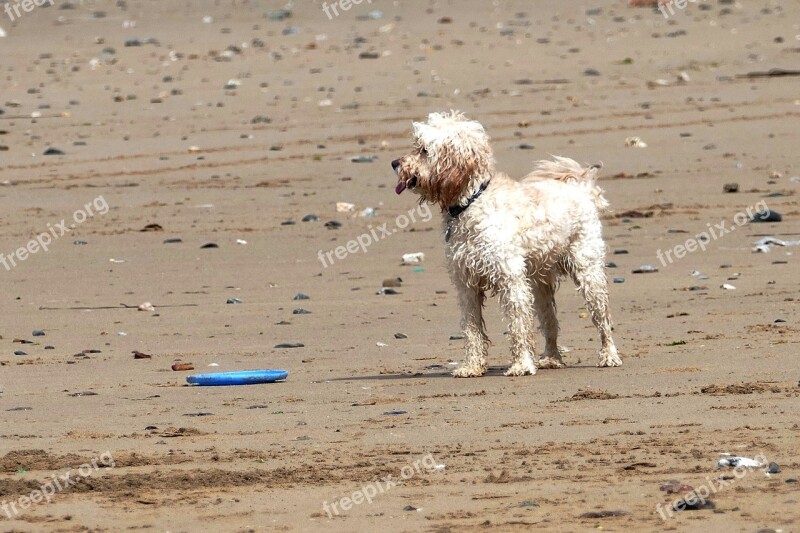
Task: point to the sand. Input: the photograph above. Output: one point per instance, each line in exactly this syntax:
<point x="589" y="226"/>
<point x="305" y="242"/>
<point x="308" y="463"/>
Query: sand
<point x="150" y="135"/>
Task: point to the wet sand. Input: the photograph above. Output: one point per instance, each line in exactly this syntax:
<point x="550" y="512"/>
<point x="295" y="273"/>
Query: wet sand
<point x="152" y="133"/>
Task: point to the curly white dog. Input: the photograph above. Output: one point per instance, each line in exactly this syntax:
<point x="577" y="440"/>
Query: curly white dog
<point x="511" y="238"/>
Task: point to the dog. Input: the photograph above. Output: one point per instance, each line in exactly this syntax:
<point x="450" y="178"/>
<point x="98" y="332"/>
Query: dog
<point x="513" y="239"/>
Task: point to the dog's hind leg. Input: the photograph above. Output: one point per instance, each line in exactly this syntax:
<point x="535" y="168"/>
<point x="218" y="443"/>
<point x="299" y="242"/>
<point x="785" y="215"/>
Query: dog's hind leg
<point x="590" y="277"/>
<point x="544" y="292"/>
<point x="471" y="301"/>
<point x="517" y="301"/>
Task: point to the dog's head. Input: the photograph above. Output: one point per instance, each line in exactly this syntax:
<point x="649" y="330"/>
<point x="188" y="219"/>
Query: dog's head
<point x="451" y="154"/>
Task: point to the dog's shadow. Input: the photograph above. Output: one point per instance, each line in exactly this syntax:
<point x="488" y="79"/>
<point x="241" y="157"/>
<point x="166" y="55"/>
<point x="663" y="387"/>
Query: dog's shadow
<point x="444" y="372"/>
<point x="492" y="372"/>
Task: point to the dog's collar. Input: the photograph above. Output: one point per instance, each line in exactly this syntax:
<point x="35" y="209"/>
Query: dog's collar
<point x="455" y="210"/>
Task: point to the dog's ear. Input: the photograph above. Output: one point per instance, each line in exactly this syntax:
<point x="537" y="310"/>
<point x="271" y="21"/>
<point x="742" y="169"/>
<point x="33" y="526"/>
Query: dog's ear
<point x="463" y="155"/>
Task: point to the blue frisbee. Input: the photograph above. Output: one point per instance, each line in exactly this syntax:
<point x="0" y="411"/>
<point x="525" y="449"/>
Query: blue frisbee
<point x="246" y="377"/>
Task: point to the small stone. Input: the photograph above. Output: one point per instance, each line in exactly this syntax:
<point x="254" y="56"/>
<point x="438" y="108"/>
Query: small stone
<point x="53" y="151"/>
<point x="620" y="252"/>
<point x="411" y="507"/>
<point x="80" y="243"/>
<point x="730" y="187"/>
<point x="310" y="218"/>
<point x="209" y="245"/>
<point x="591" y="72"/>
<point x="173" y="241"/>
<point x="19" y="352"/>
<point x="769" y="216"/>
<point x="38" y="333"/>
<point x="182" y="367"/>
<point x="333" y="224"/>
<point x="288" y="223"/>
<point x="49" y="347"/>
<point x="619" y="280"/>
<point x="773" y="468"/>
<point x="400" y="336"/>
<point x="139" y="355"/>
<point x="396" y="412"/>
<point x="387" y="291"/>
<point x="645" y="269"/>
<point x="301" y="311"/>
<point x="456" y="337"/>
<point x="611" y="264"/>
<point x="392" y="282"/>
<point x="233" y="301"/>
<point x="301" y="296"/>
<point x="290" y="345"/>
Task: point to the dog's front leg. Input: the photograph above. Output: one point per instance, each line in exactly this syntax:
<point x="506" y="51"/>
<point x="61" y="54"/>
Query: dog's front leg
<point x="517" y="301"/>
<point x="471" y="299"/>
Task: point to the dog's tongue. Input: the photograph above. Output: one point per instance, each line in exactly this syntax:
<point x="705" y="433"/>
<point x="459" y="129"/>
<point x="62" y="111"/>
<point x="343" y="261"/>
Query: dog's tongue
<point x="400" y="187"/>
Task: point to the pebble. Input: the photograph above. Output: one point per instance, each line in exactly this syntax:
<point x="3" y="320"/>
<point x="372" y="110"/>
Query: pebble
<point x="287" y="223"/>
<point x="779" y="321"/>
<point x="333" y="224"/>
<point x="19" y="352"/>
<point x="146" y="306"/>
<point x="620" y="252"/>
<point x="456" y="337"/>
<point x="80" y="243"/>
<point x="182" y="367"/>
<point x="730" y="187"/>
<point x="38" y="333"/>
<point x="645" y="269"/>
<point x="392" y="282"/>
<point x="727" y="287"/>
<point x="290" y="345"/>
<point x="53" y="151"/>
<point x="301" y="311"/>
<point x="773" y="468"/>
<point x="49" y="347"/>
<point x="611" y="264"/>
<point x="260" y="119"/>
<point x="173" y="241"/>
<point x="400" y="336"/>
<point x="396" y="412"/>
<point x="301" y="296"/>
<point x="233" y="301"/>
<point x="386" y="291"/>
<point x="363" y="159"/>
<point x="310" y="218"/>
<point x="769" y="216"/>
<point x="210" y="245"/>
<point x="619" y="280"/>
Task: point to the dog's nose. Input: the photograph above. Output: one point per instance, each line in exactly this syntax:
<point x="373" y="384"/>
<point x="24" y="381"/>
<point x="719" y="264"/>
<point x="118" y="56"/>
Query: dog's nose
<point x="395" y="164"/>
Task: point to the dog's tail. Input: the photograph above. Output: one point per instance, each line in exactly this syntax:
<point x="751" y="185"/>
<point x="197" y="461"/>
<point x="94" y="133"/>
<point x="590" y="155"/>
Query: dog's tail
<point x="570" y="171"/>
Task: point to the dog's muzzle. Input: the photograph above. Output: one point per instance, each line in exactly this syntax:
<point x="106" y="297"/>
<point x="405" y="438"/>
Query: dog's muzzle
<point x="402" y="185"/>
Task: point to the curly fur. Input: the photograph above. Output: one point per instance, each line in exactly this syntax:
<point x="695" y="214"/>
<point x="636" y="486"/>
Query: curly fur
<point x="515" y="239"/>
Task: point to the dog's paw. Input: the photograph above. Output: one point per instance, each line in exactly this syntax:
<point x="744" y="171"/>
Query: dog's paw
<point x="521" y="368"/>
<point x="468" y="372"/>
<point x="550" y="362"/>
<point x="609" y="359"/>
